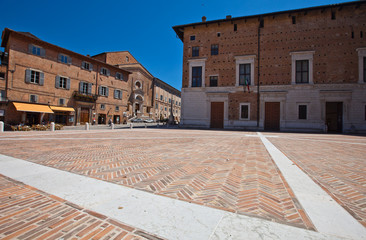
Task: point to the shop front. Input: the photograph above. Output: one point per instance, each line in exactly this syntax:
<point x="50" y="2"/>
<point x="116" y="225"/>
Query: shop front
<point x="32" y="114"/>
<point x="63" y="115"/>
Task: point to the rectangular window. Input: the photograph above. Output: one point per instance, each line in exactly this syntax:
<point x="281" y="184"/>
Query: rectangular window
<point x="105" y="71"/>
<point x="170" y="100"/>
<point x="213" y="81"/>
<point x="302" y="112"/>
<point x="62" y="82"/>
<point x="119" y="76"/>
<point x="244" y="111"/>
<point x="364" y="69"/>
<point x="214" y="49"/>
<point x="84" y="87"/>
<point x="161" y="97"/>
<point x="103" y="91"/>
<point x="64" y="58"/>
<point x="2" y="75"/>
<point x="36" y="50"/>
<point x="35" y="77"/>
<point x="117" y="94"/>
<point x="244" y="74"/>
<point x="2" y="95"/>
<point x="61" y="101"/>
<point x="195" y="51"/>
<point x="33" y="98"/>
<point x="86" y="66"/>
<point x="117" y="108"/>
<point x="235" y="27"/>
<point x="196" y="76"/>
<point x="102" y="106"/>
<point x="193" y="37"/>
<point x="302" y="71"/>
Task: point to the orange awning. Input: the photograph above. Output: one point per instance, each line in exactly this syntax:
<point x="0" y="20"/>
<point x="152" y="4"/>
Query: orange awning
<point x="63" y="109"/>
<point x="27" y="107"/>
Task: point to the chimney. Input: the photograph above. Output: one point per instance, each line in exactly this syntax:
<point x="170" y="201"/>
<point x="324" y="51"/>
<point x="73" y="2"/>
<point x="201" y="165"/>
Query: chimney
<point x="204" y="19"/>
<point x="228" y="16"/>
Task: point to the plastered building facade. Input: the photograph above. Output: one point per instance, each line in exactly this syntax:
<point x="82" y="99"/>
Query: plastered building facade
<point x="298" y="70"/>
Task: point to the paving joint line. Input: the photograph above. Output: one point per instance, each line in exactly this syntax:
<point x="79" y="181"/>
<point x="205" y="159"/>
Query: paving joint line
<point x="326" y="214"/>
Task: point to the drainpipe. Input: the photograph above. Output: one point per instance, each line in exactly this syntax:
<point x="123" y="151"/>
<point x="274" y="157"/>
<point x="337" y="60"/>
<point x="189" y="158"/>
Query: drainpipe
<point x="258" y="97"/>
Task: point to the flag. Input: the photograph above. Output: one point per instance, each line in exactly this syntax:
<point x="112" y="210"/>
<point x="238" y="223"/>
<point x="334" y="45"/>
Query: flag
<point x="247" y="83"/>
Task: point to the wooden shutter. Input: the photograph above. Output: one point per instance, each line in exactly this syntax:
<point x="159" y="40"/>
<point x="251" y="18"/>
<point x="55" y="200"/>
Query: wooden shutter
<point x="69" y="60"/>
<point x="89" y="88"/>
<point x="101" y="70"/>
<point x="108" y="72"/>
<point x="100" y="91"/>
<point x="28" y="73"/>
<point x="30" y="48"/>
<point x="115" y="94"/>
<point x="90" y="67"/>
<point x="43" y="52"/>
<point x="120" y="94"/>
<point x="83" y="65"/>
<point x="81" y="86"/>
<point x="41" y="78"/>
<point x="68" y="83"/>
<point x="59" y="58"/>
<point x="107" y="91"/>
<point x="57" y="82"/>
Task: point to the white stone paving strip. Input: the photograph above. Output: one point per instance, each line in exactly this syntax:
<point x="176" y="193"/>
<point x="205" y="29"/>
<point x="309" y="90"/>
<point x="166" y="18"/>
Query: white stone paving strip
<point x="326" y="214"/>
<point x="163" y="216"/>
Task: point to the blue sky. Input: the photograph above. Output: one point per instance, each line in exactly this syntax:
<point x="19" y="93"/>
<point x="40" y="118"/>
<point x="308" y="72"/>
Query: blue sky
<point x="142" y="27"/>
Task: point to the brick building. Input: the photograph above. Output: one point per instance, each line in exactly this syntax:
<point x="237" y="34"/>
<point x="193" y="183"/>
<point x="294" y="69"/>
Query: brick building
<point x="140" y="84"/>
<point x="293" y="70"/>
<point x="44" y="82"/>
<point x="167" y="101"/>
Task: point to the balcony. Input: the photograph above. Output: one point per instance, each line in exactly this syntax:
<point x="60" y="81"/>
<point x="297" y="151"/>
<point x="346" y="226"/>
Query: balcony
<point x="85" y="97"/>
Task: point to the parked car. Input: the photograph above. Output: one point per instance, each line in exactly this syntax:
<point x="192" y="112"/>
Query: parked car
<point x="149" y="120"/>
<point x="137" y="120"/>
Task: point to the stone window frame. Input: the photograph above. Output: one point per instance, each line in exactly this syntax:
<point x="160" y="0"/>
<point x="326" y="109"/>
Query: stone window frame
<point x="197" y="63"/>
<point x="298" y="111"/>
<point x="303" y="55"/>
<point x="244" y="104"/>
<point x="245" y="59"/>
<point x="361" y="55"/>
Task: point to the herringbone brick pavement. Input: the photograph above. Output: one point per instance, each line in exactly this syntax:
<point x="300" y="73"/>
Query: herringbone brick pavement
<point x="27" y="213"/>
<point x="336" y="162"/>
<point x="226" y="170"/>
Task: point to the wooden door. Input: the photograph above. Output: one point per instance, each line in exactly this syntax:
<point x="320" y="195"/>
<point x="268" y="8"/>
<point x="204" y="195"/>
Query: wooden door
<point x="84" y="115"/>
<point x="272" y="116"/>
<point x="217" y="115"/>
<point x="334" y="116"/>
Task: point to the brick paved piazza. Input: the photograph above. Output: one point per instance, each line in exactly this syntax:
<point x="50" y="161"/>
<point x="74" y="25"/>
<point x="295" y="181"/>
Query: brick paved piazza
<point x="221" y="169"/>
